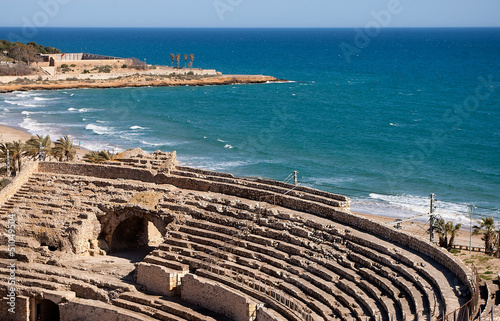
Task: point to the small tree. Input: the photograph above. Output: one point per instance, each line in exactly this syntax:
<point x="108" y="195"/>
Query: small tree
<point x="32" y="146"/>
<point x="98" y="157"/>
<point x="453" y="230"/>
<point x="191" y="59"/>
<point x="64" y="149"/>
<point x="486" y="227"/>
<point x="16" y="153"/>
<point x="178" y="59"/>
<point x="441" y="231"/>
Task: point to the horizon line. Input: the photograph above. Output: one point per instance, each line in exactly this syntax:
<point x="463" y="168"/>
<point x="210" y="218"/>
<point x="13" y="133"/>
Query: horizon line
<point x="418" y="27"/>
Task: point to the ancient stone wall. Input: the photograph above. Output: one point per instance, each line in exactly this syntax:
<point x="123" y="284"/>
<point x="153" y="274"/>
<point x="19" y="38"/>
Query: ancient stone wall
<point x="21" y="308"/>
<point x="218" y="298"/>
<point x="158" y="279"/>
<point x="101" y="171"/>
<point x="22" y="177"/>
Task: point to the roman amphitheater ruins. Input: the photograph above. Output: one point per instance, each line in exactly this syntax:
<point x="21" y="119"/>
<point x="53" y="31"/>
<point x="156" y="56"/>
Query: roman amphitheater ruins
<point x="216" y="247"/>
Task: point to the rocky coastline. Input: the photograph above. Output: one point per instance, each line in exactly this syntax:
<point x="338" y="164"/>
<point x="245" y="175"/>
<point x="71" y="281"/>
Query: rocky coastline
<point x="138" y="81"/>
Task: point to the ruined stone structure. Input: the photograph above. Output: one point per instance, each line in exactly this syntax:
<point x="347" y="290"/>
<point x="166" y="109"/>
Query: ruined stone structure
<point x="80" y="59"/>
<point x="221" y="248"/>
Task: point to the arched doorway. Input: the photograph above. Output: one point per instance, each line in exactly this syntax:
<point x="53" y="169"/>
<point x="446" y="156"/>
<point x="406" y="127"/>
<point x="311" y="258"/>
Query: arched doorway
<point x="131" y="233"/>
<point x="47" y="310"/>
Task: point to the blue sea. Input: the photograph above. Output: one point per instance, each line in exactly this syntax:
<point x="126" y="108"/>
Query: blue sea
<point x="386" y="119"/>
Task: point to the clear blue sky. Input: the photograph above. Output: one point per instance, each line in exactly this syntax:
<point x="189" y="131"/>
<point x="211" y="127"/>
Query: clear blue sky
<point x="248" y="13"/>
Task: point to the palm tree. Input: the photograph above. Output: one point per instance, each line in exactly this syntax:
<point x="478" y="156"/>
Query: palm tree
<point x="442" y="232"/>
<point x="4" y="147"/>
<point x="191" y="59"/>
<point x="453" y="230"/>
<point x="16" y="152"/>
<point x="172" y="57"/>
<point x="185" y="60"/>
<point x="487" y="228"/>
<point x="98" y="157"/>
<point x="178" y="59"/>
<point x="64" y="149"/>
<point x="32" y="146"/>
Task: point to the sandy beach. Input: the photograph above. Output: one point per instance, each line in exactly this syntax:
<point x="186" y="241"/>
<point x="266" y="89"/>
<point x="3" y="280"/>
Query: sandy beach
<point x="485" y="264"/>
<point x="10" y="134"/>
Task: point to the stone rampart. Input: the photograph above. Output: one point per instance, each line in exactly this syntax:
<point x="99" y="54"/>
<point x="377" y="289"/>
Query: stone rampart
<point x="100" y="171"/>
<point x="22" y="177"/>
<point x="218" y="298"/>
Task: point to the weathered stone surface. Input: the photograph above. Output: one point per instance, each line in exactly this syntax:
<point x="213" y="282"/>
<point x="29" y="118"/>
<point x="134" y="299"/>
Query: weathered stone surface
<point x="218" y="298"/>
<point x="158" y="279"/>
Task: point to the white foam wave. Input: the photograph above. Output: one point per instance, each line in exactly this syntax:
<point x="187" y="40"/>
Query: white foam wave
<point x="24" y="94"/>
<point x="84" y="110"/>
<point x="44" y="99"/>
<point x="34" y="127"/>
<point x="72" y="109"/>
<point x="22" y="103"/>
<point x="220" y="140"/>
<point x="95" y="146"/>
<point x="137" y="127"/>
<point x="100" y="130"/>
<point x="101" y="121"/>
<point x="228" y="146"/>
<point x="25" y="112"/>
<point x="405" y="205"/>
<point x="394" y="124"/>
<point x="151" y="144"/>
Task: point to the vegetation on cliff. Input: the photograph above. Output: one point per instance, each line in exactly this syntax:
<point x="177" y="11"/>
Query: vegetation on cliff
<point x="16" y="57"/>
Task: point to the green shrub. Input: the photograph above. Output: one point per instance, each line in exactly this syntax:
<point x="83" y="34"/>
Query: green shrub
<point x="64" y="66"/>
<point x="190" y="73"/>
<point x="4" y="182"/>
<point x="86" y="71"/>
<point x="105" y="69"/>
<point x="124" y="66"/>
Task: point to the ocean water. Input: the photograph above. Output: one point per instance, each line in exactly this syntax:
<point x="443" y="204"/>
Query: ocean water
<point x="407" y="113"/>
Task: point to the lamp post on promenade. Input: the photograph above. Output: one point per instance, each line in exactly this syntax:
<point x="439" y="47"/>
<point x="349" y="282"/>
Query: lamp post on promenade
<point x="471" y="208"/>
<point x="432" y="217"/>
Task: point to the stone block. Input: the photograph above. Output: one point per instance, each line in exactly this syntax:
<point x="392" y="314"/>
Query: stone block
<point x="158" y="279"/>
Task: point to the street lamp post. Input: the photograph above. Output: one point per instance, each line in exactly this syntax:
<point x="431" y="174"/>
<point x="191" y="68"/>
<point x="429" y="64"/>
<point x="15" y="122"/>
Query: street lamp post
<point x="471" y="207"/>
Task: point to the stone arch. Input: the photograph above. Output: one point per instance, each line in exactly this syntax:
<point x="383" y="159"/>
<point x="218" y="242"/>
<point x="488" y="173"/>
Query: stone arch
<point x="131" y="227"/>
<point x="46" y="310"/>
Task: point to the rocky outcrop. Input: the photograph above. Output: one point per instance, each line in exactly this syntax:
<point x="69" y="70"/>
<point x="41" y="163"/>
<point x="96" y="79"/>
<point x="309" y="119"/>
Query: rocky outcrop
<point x="153" y="81"/>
